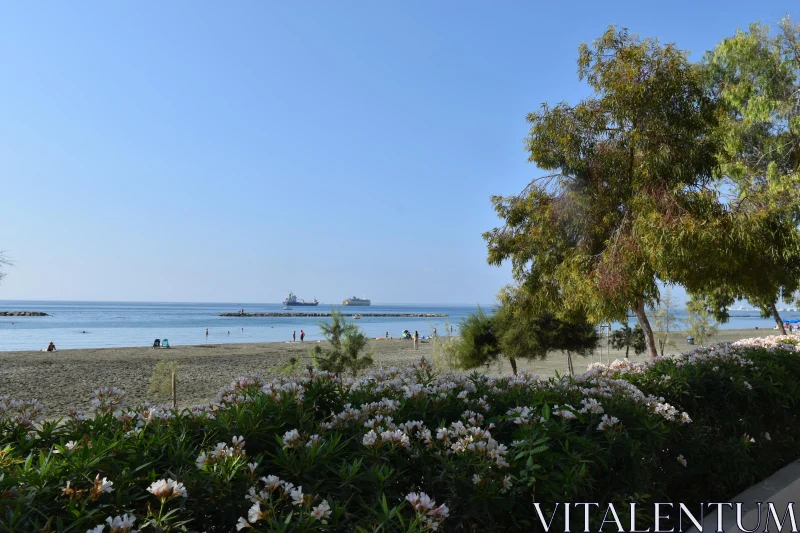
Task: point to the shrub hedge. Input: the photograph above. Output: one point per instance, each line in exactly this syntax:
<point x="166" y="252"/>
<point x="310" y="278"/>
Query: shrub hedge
<point x="407" y="449"/>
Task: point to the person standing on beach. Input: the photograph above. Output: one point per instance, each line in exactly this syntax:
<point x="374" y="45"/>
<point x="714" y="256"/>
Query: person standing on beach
<point x="434" y="332"/>
<point x="416" y="340"/>
<point x="206" y="332"/>
<point x="302" y="335"/>
<point x="294" y="336"/>
<point x="387" y="335"/>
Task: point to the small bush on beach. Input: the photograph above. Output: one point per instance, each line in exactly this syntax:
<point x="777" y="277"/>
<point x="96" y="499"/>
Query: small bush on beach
<point x="347" y="341"/>
<point x="407" y="449"/>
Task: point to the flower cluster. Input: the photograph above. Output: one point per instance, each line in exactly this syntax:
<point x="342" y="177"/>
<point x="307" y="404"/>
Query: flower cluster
<point x="107" y="400"/>
<point x="293" y="439"/>
<point x="117" y="524"/>
<point x="21" y="413"/>
<point x="276" y="492"/>
<point x="427" y="511"/>
<point x="221" y="451"/>
<point x="167" y="489"/>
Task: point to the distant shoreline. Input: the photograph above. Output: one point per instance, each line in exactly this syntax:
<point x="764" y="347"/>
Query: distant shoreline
<point x="379" y="315"/>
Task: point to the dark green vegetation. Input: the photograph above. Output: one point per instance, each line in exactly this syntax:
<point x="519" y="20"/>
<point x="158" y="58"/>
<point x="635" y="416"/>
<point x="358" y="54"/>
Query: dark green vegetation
<point x="516" y="332"/>
<point x="483" y="448"/>
<point x="628" y="338"/>
<point x="347" y="341"/>
<point x="671" y="172"/>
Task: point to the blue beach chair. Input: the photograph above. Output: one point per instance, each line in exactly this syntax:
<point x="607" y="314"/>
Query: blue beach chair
<point x="165" y="343"/>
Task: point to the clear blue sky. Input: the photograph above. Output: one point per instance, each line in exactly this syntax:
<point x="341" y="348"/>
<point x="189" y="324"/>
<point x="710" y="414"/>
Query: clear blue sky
<point x="206" y="151"/>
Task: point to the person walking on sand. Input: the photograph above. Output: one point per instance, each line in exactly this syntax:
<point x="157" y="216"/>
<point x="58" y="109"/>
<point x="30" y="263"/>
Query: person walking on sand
<point x="302" y="335"/>
<point x="294" y="336"/>
<point x="434" y="332"/>
<point x="416" y="340"/>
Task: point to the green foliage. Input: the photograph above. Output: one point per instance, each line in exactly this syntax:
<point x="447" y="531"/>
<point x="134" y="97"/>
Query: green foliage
<point x="347" y="341"/>
<point x="516" y="332"/>
<point x="756" y="79"/>
<point x="292" y="367"/>
<point x="336" y="440"/>
<point x="629" y="338"/>
<point x="629" y="174"/>
<point x="702" y="325"/>
<point x="479" y="344"/>
<point x="161" y="380"/>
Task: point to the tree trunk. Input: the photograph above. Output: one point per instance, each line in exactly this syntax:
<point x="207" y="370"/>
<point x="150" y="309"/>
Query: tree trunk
<point x="648" y="332"/>
<point x="513" y="365"/>
<point x="627" y="348"/>
<point x="777" y="317"/>
<point x="569" y="363"/>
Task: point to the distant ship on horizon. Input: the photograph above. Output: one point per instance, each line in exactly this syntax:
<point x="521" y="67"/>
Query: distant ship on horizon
<point x="293" y="300"/>
<point x="357" y="301"/>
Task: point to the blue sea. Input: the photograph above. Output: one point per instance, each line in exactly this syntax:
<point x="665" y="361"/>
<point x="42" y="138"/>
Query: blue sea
<point x="117" y="324"/>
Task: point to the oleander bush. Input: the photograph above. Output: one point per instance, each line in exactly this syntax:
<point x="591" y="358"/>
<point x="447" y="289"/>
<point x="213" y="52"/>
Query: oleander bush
<point x="406" y="449"/>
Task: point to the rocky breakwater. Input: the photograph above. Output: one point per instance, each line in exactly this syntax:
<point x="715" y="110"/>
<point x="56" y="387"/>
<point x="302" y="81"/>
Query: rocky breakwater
<point x="22" y="313"/>
<point x="362" y="315"/>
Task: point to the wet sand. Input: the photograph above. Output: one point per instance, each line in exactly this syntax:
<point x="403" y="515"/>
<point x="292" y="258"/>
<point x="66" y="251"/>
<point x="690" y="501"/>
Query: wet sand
<point x="66" y="378"/>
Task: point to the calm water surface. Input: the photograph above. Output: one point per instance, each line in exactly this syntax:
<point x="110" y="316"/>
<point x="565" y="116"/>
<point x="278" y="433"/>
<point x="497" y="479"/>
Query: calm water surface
<point x="115" y="324"/>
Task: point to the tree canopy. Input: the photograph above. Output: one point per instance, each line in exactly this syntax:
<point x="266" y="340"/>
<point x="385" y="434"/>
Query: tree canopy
<point x="629" y="169"/>
<point x="517" y="332"/>
<point x="755" y="77"/>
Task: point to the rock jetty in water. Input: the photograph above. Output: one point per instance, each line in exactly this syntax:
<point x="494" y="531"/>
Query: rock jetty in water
<point x="362" y="315"/>
<point x="22" y="313"/>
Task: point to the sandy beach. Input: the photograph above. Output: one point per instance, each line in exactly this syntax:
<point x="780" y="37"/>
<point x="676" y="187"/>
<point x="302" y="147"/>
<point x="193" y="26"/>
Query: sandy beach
<point x="66" y="378"/>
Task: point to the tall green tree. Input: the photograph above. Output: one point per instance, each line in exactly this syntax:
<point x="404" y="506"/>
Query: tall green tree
<point x="628" y="337"/>
<point x="347" y="342"/>
<point x="628" y="169"/>
<point x="516" y="332"/>
<point x="755" y="75"/>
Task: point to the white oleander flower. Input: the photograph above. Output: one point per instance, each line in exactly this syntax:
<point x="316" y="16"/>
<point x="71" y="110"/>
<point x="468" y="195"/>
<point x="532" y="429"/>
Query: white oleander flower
<point x="202" y="460"/>
<point x="682" y="460"/>
<point x="322" y="511"/>
<point x="272" y="483"/>
<point x="297" y="496"/>
<point x="166" y="489"/>
<point x="121" y="524"/>
<point x="254" y="514"/>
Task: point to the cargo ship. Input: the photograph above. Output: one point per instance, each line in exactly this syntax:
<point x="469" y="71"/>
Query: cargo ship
<point x="357" y="301"/>
<point x="292" y="300"/>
